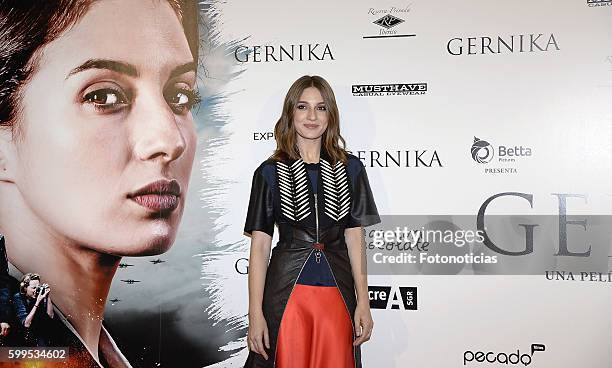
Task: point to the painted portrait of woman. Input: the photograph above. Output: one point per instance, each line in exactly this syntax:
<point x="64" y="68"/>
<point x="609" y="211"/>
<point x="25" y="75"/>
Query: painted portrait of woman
<point x="97" y="143"/>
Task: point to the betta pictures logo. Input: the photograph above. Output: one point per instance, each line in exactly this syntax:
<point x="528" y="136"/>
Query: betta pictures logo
<point x="597" y="3"/>
<point x="389" y="21"/>
<point x="484" y="152"/>
<point x="475" y="358"/>
<point x="393" y="297"/>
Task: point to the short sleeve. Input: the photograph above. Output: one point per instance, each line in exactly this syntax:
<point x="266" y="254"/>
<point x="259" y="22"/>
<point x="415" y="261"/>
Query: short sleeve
<point x="363" y="208"/>
<point x="260" y="214"/>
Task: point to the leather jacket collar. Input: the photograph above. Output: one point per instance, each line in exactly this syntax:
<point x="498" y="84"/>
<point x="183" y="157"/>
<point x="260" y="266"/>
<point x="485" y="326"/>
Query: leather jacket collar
<point x="323" y="155"/>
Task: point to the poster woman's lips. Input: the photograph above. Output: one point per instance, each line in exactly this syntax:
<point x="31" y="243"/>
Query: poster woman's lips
<point x="159" y="196"/>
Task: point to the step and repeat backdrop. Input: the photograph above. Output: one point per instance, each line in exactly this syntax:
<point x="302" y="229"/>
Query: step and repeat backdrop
<point x="489" y="122"/>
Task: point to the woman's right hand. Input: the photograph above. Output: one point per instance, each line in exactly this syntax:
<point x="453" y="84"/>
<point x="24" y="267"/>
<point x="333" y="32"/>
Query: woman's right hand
<point x="42" y="296"/>
<point x="258" y="334"/>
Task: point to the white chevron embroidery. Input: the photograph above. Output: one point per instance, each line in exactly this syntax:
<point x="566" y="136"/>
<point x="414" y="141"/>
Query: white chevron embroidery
<point x="292" y="184"/>
<point x="335" y="189"/>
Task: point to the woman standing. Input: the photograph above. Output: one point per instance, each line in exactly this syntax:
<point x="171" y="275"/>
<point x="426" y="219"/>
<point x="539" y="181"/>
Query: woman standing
<point x="309" y="306"/>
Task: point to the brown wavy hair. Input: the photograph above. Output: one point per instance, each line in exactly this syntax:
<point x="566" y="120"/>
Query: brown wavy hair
<point x="284" y="130"/>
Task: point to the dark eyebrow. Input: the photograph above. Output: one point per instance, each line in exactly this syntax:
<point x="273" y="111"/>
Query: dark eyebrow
<point x="116" y="66"/>
<point x="126" y="68"/>
<point x="182" y="69"/>
<point x="306" y="102"/>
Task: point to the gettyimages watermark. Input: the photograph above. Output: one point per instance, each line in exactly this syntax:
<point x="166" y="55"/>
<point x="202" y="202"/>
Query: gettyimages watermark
<point x="579" y="245"/>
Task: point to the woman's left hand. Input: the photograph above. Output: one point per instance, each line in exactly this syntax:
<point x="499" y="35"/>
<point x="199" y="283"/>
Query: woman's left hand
<point x="363" y="324"/>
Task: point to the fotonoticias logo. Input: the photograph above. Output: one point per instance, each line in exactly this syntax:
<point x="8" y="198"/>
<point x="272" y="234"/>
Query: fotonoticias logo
<point x="482" y="151"/>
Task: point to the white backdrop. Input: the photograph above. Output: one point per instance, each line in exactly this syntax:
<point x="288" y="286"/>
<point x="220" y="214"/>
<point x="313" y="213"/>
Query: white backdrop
<point x="557" y="103"/>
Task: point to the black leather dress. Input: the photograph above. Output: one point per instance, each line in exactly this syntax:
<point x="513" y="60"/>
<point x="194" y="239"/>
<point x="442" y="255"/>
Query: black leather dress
<point x="281" y="194"/>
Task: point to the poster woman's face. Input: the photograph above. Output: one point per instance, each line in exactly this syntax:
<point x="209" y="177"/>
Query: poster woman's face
<point x="106" y="137"/>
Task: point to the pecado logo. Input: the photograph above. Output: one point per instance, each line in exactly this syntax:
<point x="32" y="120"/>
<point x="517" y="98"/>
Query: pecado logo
<point x="513" y="358"/>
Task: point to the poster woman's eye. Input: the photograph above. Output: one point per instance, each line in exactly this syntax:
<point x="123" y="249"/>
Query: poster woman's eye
<point x="106" y="99"/>
<point x="181" y="100"/>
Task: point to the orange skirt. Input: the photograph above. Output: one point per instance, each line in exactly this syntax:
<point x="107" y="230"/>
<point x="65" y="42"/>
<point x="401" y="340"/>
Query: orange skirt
<point x="316" y="330"/>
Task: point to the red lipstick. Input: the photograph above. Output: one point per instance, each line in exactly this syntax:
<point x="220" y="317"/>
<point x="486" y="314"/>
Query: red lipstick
<point x="159" y="196"/>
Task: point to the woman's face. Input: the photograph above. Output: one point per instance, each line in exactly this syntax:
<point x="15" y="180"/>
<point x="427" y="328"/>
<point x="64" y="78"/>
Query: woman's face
<point x="107" y="139"/>
<point x="310" y="114"/>
<point x="31" y="289"/>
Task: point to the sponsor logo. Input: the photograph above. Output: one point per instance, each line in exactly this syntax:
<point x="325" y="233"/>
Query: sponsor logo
<point x="399" y="158"/>
<point x="502" y="44"/>
<point x="387" y="19"/>
<point x="396" y="297"/>
<point x="484" y="152"/>
<point x="282" y="53"/>
<point x="396" y="89"/>
<point x="596" y="3"/>
<point x="514" y="358"/>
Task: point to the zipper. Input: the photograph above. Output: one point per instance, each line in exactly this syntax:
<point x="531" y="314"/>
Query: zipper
<point x="317" y="252"/>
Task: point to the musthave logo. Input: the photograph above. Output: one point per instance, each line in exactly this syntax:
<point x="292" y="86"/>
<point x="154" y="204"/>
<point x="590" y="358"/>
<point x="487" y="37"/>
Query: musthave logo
<point x="389" y="89"/>
<point x="595" y="3"/>
<point x="514" y="358"/>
